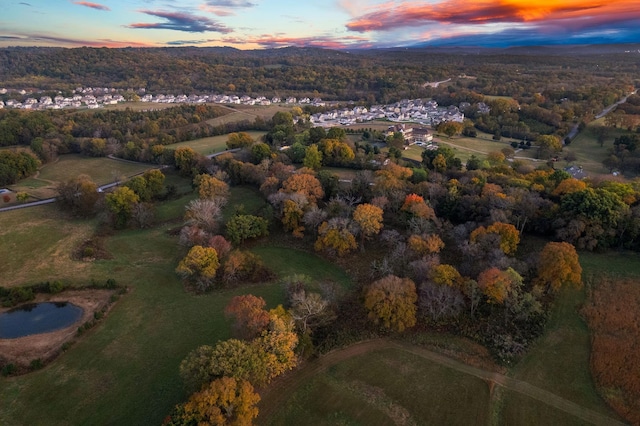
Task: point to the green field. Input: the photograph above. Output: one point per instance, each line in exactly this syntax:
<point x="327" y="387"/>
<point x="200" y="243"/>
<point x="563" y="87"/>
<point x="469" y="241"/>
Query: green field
<point x="386" y="387"/>
<point x="213" y="144"/>
<point x="589" y="152"/>
<point x="125" y="371"/>
<point x="102" y="170"/>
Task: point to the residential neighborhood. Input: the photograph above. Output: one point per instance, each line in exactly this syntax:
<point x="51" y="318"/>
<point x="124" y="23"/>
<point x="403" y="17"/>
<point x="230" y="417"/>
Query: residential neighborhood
<point x="426" y="112"/>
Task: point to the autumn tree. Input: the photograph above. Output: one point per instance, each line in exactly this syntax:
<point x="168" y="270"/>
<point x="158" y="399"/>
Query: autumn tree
<point x="450" y="128"/>
<point x="199" y="267"/>
<point x="250" y="317"/>
<point x="186" y="160"/>
<point x="445" y="274"/>
<point x="120" y="203"/>
<point x="369" y="220"/>
<point x="509" y="236"/>
<point x="292" y="216"/>
<point x="225" y="401"/>
<point x="79" y="195"/>
<point x="305" y="184"/>
<point x="239" y="140"/>
<point x="334" y="236"/>
<point x="495" y="284"/>
<point x="425" y="244"/>
<point x="391" y="301"/>
<point x="567" y="186"/>
<point x="559" y="266"/>
<point x="415" y="205"/>
<point x="548" y="145"/>
<point x="210" y="187"/>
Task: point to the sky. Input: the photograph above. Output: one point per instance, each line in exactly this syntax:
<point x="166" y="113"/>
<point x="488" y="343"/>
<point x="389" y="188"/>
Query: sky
<point x="335" y="24"/>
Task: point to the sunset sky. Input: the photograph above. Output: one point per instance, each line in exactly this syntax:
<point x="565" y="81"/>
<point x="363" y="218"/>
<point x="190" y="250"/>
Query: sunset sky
<point x="338" y="24"/>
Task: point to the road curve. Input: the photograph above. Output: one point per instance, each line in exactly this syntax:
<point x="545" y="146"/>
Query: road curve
<point x="275" y="395"/>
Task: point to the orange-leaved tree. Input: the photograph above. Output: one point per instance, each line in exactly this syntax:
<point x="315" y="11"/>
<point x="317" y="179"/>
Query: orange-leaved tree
<point x="495" y="284"/>
<point x="306" y="184"/>
<point x="425" y="244"/>
<point x="249" y="314"/>
<point x="391" y="301"/>
<point x="559" y="266"/>
<point x="416" y="206"/>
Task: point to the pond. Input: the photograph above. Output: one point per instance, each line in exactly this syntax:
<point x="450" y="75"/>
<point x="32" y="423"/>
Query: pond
<point x="35" y="318"/>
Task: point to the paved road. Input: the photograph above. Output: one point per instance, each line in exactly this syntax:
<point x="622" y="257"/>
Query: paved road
<point x="275" y="395"/>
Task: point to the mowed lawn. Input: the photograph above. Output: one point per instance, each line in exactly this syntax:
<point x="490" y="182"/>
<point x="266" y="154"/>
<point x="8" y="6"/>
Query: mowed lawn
<point x="125" y="371"/>
<point x="386" y="387"/>
<point x="213" y="144"/>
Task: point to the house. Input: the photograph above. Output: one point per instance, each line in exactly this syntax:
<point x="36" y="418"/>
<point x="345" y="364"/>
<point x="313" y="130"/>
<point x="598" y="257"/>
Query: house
<point x="421" y="134"/>
<point x="576" y="172"/>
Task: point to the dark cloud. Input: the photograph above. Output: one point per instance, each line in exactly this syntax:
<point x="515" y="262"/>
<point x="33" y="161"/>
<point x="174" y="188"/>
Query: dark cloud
<point x="92" y="5"/>
<point x="186" y="42"/>
<point x="628" y="32"/>
<point x="25" y="4"/>
<point x="179" y="21"/>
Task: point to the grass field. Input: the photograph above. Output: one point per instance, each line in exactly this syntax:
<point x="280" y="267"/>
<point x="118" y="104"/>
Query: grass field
<point x="102" y="170"/>
<point x="213" y="144"/>
<point x="589" y="152"/>
<point x="125" y="371"/>
<point x="387" y="387"/>
<point x="559" y="360"/>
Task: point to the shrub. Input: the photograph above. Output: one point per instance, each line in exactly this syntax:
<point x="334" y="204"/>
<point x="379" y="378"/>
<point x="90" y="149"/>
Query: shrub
<point x="55" y="287"/>
<point x="8" y="370"/>
<point x="36" y="364"/>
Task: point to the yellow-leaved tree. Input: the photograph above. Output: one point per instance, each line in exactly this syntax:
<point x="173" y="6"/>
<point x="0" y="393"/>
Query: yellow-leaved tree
<point x="369" y="219"/>
<point x="225" y="401"/>
<point x="391" y="301"/>
<point x="199" y="266"/>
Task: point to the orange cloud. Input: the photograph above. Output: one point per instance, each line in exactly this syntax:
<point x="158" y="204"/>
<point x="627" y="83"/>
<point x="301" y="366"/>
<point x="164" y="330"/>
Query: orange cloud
<point x="485" y="11"/>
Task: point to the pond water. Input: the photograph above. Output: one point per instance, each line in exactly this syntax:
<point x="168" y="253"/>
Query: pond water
<point x="35" y="318"/>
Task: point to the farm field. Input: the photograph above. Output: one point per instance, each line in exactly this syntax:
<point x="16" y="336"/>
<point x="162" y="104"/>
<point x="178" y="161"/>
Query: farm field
<point x="101" y="170"/>
<point x="211" y="145"/>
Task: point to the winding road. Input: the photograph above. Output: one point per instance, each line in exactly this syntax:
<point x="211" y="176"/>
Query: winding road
<point x="276" y="395"/>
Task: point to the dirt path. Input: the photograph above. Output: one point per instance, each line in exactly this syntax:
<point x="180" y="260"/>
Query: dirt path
<point x="276" y="395"/>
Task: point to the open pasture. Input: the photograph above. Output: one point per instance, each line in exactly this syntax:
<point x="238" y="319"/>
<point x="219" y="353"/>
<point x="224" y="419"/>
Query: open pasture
<point x="101" y="170"/>
<point x="213" y="144"/>
<point x="124" y="371"/>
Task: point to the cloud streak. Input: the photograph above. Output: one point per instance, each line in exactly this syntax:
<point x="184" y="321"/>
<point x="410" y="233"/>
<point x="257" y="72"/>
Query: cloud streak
<point x="180" y="21"/>
<point x="225" y="7"/>
<point x="325" y="42"/>
<point x="96" y="6"/>
<point x="41" y="39"/>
